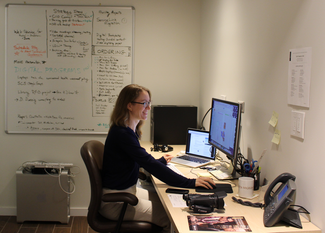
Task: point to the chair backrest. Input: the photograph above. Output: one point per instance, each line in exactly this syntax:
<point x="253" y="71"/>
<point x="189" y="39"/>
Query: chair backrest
<point x="92" y="155"/>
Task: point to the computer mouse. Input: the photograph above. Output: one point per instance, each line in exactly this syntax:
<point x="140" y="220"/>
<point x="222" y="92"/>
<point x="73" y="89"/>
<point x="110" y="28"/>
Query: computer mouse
<point x="213" y="185"/>
<point x="206" y="190"/>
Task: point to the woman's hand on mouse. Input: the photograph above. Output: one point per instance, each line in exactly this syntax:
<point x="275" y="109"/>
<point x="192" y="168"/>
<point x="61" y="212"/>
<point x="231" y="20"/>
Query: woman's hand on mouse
<point x="204" y="182"/>
<point x="168" y="158"/>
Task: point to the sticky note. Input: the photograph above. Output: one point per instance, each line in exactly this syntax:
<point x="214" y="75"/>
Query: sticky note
<point x="276" y="137"/>
<point x="274" y="119"/>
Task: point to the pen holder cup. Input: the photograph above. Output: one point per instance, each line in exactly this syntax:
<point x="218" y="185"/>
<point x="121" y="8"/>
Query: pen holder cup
<point x="256" y="177"/>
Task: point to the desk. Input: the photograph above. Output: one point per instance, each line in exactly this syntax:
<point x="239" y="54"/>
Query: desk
<point x="253" y="216"/>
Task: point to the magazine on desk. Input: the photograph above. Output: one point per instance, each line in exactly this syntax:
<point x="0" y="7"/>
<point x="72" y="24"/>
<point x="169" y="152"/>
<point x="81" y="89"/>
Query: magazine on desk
<point x="218" y="223"/>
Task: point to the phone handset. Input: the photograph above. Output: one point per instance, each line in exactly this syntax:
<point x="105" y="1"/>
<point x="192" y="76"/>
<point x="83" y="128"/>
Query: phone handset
<point x="283" y="178"/>
<point x="277" y="205"/>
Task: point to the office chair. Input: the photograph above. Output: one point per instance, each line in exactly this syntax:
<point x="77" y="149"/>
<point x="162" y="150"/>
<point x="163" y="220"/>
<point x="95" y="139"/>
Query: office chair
<point x="92" y="155"/>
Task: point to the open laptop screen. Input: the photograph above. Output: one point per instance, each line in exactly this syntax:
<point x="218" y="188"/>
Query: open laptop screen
<point x="197" y="143"/>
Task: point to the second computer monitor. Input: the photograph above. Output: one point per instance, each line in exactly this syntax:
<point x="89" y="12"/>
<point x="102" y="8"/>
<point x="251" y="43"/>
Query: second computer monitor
<point x="169" y="123"/>
<point x="225" y="128"/>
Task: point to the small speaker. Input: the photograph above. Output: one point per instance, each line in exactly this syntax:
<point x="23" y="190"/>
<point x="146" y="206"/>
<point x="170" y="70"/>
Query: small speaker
<point x="169" y="123"/>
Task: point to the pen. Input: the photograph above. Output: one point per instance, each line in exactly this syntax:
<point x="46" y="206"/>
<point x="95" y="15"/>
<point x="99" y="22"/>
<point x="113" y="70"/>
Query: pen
<point x="258" y="162"/>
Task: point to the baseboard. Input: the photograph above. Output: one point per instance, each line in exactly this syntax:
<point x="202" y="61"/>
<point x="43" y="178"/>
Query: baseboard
<point x="12" y="211"/>
<point x="8" y="211"/>
<point x="78" y="211"/>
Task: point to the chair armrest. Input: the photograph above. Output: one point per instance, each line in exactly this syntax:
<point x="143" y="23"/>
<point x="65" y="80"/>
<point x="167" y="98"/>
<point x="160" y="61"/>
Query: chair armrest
<point x="142" y="176"/>
<point x="120" y="197"/>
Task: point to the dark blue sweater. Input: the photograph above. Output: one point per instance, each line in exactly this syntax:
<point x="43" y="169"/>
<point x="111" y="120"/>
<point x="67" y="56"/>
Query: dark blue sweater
<point x="123" y="156"/>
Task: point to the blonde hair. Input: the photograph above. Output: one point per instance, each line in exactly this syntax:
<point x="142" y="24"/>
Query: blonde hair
<point x="120" y="112"/>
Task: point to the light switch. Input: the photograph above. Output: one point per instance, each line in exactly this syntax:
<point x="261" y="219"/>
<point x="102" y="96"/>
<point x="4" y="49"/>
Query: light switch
<point x="298" y="124"/>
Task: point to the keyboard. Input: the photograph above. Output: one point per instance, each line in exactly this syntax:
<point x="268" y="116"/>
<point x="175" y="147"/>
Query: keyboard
<point x="192" y="159"/>
<point x="175" y="169"/>
<point x="220" y="175"/>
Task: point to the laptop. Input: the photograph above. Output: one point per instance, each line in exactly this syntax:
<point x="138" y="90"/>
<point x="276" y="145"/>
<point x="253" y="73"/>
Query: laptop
<point x="198" y="151"/>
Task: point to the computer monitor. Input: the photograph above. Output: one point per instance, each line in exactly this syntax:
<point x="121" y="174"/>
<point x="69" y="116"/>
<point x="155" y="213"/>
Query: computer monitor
<point x="169" y="123"/>
<point x="225" y="129"/>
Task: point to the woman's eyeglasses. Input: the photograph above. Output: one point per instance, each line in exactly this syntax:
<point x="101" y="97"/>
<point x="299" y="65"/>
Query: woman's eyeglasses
<point x="145" y="104"/>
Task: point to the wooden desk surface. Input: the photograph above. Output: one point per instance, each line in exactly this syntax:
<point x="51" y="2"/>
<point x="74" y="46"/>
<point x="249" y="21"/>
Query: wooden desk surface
<point x="253" y="216"/>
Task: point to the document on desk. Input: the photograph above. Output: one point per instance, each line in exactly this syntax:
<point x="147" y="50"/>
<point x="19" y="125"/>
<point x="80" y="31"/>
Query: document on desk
<point x="218" y="223"/>
<point x="177" y="200"/>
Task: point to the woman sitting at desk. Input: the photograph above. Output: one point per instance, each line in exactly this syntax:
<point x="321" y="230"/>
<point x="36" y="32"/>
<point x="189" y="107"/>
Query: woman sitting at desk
<point x="123" y="156"/>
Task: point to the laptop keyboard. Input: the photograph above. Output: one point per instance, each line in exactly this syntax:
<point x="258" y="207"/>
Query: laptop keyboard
<point x="192" y="159"/>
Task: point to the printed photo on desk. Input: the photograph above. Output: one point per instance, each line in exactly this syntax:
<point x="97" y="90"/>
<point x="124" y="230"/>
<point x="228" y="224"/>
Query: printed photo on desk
<point x="218" y="223"/>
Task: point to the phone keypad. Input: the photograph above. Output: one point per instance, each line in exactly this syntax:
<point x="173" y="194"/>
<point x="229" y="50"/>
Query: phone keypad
<point x="269" y="210"/>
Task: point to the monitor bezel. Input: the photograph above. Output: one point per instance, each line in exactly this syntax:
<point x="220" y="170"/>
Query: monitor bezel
<point x="232" y="157"/>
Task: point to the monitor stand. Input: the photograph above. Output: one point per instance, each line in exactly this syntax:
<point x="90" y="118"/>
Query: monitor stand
<point x="234" y="176"/>
<point x="225" y="173"/>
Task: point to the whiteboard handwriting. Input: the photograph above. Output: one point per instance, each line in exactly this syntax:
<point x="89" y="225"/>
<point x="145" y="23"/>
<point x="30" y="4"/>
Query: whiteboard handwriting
<point x="66" y="66"/>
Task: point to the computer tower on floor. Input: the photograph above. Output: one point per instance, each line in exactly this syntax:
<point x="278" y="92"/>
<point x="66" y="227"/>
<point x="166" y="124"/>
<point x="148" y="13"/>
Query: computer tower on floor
<point x="169" y="123"/>
<point x="41" y="197"/>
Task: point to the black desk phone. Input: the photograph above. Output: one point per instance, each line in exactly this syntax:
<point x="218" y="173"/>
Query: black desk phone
<point x="277" y="206"/>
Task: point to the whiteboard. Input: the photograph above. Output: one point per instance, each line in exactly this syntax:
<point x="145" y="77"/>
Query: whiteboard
<point x="65" y="66"/>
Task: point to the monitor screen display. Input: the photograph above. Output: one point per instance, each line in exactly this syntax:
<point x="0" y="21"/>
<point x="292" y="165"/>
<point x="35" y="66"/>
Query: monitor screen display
<point x="197" y="143"/>
<point x="225" y="127"/>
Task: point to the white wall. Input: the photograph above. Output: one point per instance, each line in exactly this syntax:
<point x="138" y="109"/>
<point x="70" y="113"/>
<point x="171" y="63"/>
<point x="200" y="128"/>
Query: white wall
<point x="244" y="55"/>
<point x="167" y="53"/>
